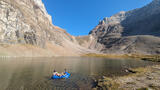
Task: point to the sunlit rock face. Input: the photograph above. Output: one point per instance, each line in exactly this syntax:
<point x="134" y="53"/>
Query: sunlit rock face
<point x="135" y="31"/>
<point x="42" y="7"/>
<point x="27" y="22"/>
<point x="15" y="27"/>
<point x="12" y="27"/>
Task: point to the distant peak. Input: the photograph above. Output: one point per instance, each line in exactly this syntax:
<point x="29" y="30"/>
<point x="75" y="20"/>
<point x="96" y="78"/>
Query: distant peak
<point x="122" y="12"/>
<point x="40" y="4"/>
<point x="117" y="18"/>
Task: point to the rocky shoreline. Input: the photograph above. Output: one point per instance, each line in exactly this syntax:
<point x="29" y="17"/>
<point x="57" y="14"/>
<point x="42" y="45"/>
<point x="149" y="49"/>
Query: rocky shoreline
<point x="147" y="78"/>
<point x="143" y="78"/>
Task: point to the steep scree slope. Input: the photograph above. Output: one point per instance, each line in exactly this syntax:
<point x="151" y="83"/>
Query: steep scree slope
<point x="26" y="30"/>
<point x="136" y="31"/>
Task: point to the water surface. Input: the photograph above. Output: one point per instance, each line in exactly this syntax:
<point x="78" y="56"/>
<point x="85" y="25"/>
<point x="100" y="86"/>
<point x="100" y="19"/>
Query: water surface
<point x="35" y="73"/>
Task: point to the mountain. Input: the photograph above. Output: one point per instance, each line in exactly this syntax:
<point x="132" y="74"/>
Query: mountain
<point x="26" y="30"/>
<point x="136" y="31"/>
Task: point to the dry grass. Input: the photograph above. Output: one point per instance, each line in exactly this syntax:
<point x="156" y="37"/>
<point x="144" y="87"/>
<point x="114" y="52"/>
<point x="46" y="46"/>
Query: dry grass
<point x="109" y="84"/>
<point x="106" y="55"/>
<point x="154" y="58"/>
<point x="139" y="71"/>
<point x="114" y="84"/>
<point x="143" y="89"/>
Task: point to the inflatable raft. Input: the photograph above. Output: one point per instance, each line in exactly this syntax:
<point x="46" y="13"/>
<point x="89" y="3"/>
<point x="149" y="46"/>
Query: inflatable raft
<point x="66" y="76"/>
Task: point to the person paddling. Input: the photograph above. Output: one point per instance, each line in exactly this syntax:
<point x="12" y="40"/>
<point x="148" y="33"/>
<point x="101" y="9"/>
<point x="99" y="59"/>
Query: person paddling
<point x="63" y="73"/>
<point x="56" y="73"/>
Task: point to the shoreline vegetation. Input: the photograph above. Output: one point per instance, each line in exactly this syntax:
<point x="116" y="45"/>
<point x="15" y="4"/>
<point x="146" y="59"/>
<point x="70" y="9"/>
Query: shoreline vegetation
<point x="144" y="78"/>
<point x="153" y="58"/>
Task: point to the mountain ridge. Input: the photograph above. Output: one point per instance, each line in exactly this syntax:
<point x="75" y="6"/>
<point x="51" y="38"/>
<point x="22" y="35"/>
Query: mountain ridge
<point x="26" y="30"/>
<point x="122" y="32"/>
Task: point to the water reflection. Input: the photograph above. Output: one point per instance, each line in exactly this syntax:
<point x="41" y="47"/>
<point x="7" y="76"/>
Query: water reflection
<point x="34" y="73"/>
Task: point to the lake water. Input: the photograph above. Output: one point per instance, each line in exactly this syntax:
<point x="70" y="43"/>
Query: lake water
<point x="35" y="73"/>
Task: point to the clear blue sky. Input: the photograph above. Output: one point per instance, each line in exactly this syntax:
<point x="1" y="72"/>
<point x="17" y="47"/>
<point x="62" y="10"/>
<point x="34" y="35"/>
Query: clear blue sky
<point x="78" y="17"/>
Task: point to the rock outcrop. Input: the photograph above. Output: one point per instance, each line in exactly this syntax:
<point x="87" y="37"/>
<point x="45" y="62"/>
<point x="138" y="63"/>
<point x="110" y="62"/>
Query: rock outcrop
<point x="136" y="31"/>
<point x="26" y="29"/>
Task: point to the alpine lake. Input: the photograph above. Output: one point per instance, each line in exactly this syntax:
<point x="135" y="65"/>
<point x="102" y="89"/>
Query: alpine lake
<point x="35" y="73"/>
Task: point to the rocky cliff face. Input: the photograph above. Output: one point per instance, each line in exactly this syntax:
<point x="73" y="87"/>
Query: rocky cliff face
<point x="25" y="23"/>
<point x="135" y="31"/>
<point x="26" y="30"/>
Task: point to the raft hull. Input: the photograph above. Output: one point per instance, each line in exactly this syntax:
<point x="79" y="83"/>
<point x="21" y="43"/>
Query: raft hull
<point x="66" y="76"/>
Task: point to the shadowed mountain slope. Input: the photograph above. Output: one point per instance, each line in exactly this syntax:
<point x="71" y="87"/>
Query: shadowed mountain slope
<point x="135" y="31"/>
